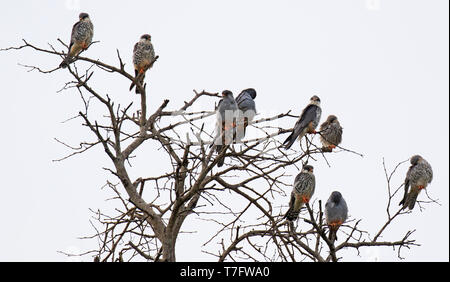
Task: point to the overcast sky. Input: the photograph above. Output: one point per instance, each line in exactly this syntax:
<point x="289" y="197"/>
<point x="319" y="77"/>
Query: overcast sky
<point x="380" y="66"/>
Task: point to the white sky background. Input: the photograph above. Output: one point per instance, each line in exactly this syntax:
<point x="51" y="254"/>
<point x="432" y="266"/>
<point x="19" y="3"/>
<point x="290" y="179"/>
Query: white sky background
<point x="380" y="66"/>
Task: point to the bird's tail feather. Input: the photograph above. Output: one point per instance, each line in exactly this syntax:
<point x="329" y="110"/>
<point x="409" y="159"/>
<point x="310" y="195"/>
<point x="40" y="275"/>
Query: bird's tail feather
<point x="289" y="141"/>
<point x="402" y="202"/>
<point x="291" y="214"/>
<point x="410" y="200"/>
<point x="221" y="162"/>
<point x="66" y="62"/>
<point x="141" y="80"/>
<point x="332" y="235"/>
<point x="405" y="195"/>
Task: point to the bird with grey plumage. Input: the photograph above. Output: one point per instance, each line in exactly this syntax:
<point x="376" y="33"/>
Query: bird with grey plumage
<point x="80" y="39"/>
<point x="143" y="59"/>
<point x="336" y="213"/>
<point x="418" y="177"/>
<point x="304" y="186"/>
<point x="226" y="115"/>
<point x="330" y="133"/>
<point x="307" y="123"/>
<point x="247" y="111"/>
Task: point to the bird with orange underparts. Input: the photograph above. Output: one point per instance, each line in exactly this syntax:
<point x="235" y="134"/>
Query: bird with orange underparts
<point x="143" y="59"/>
<point x="336" y="212"/>
<point x="80" y="39"/>
<point x="330" y="133"/>
<point x="226" y="115"/>
<point x="304" y="186"/>
<point x="307" y="123"/>
<point x="418" y="177"/>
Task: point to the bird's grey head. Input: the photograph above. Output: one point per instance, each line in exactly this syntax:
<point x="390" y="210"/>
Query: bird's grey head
<point x="315" y="100"/>
<point x="308" y="168"/>
<point x="83" y="16"/>
<point x="336" y="197"/>
<point x="331" y="118"/>
<point x="251" y="92"/>
<point x="227" y="93"/>
<point x="146" y="37"/>
<point x="415" y="159"/>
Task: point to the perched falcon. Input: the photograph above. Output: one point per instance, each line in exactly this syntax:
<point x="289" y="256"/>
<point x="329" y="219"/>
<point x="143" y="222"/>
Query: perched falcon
<point x="330" y="133"/>
<point x="247" y="111"/>
<point x="304" y="185"/>
<point x="307" y="122"/>
<point x="335" y="213"/>
<point x="143" y="58"/>
<point x="226" y="113"/>
<point x="417" y="178"/>
<point x="81" y="38"/>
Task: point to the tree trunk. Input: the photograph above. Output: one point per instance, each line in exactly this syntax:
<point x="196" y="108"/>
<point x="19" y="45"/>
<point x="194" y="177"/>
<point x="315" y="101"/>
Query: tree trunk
<point x="169" y="248"/>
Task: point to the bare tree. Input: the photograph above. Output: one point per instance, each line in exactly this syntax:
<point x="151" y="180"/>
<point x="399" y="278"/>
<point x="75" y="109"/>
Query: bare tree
<point x="245" y="199"/>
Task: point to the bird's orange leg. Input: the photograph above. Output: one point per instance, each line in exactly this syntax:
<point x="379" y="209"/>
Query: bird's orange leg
<point x="312" y="131"/>
<point x="228" y="127"/>
<point x="305" y="199"/>
<point x="335" y="224"/>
